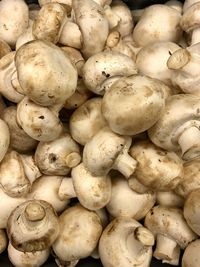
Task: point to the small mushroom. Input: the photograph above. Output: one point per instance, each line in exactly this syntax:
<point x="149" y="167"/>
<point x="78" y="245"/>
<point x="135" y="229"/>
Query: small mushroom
<point x="171" y="231"/>
<point x="80" y="230"/>
<point x="126" y="202"/>
<point x="33" y="226"/>
<point x="107" y="150"/>
<point x="87" y="120"/>
<point x="191" y="257"/>
<point x="5" y="139"/>
<point x="24" y="259"/>
<point x="3" y="241"/>
<point x="125" y="242"/>
<point x="191" y="210"/>
<point x="156" y="168"/>
<point x="92" y="192"/>
<point x="19" y="140"/>
<point x="133" y="104"/>
<point x="178" y="126"/>
<point x="57" y="157"/>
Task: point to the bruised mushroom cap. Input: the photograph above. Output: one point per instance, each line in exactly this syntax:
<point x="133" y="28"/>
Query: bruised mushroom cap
<point x="91" y="20"/>
<point x="14" y="19"/>
<point x="33" y="226"/>
<point x="5" y="139"/>
<point x="162" y="27"/>
<point x="125" y="242"/>
<point x="156" y="168"/>
<point x="57" y="157"/>
<point x="192" y="211"/>
<point x="108" y="150"/>
<point x="177" y="127"/>
<point x="92" y="192"/>
<point x="191" y="178"/>
<point x="87" y="120"/>
<point x="3" y="240"/>
<point x="106" y="66"/>
<point x="80" y="230"/>
<point x="19" y="140"/>
<point x="47" y="188"/>
<point x="23" y="259"/>
<point x="45" y="73"/>
<point x="123" y="197"/>
<point x="133" y="104"/>
<point x="151" y="60"/>
<point x="38" y="122"/>
<point x="191" y="256"/>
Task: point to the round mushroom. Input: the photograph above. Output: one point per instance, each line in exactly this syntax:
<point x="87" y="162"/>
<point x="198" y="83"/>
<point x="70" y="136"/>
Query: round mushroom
<point x="191" y="257"/>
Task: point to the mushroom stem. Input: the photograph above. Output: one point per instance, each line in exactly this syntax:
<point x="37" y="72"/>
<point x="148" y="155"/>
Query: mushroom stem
<point x="189" y="142"/>
<point x="125" y="164"/>
<point x="66" y="189"/>
<point x="15" y="83"/>
<point x="34" y="212"/>
<point x="165" y="248"/>
<point x="176" y="257"/>
<point x="144" y="236"/>
<point x="195" y="36"/>
<point x="178" y="59"/>
<point x="73" y="159"/>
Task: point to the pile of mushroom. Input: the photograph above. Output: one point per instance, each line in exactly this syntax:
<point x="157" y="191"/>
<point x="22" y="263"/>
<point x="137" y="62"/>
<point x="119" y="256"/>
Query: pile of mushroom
<point x="100" y="132"/>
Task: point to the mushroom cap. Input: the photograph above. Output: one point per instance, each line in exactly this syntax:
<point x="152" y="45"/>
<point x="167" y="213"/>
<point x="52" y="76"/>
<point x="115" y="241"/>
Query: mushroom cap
<point x="119" y="246"/>
<point x="65" y="2"/>
<point x="14" y="19"/>
<point x="191" y="18"/>
<point x="191" y="256"/>
<point x="3" y="240"/>
<point x="57" y="157"/>
<point x="80" y="230"/>
<point x="169" y="199"/>
<point x="103" y="66"/>
<point x="5" y="138"/>
<point x="170" y="223"/>
<point x="188" y="3"/>
<point x="91" y="20"/>
<point x="38" y="122"/>
<point x="151" y="60"/>
<point x="87" y="120"/>
<point x="23" y="259"/>
<point x="45" y="73"/>
<point x="157" y="169"/>
<point x="19" y="139"/>
<point x="133" y="104"/>
<point x="93" y="192"/>
<point x="4" y="48"/>
<point x="192" y="210"/>
<point x="123" y="197"/>
<point x="33" y="226"/>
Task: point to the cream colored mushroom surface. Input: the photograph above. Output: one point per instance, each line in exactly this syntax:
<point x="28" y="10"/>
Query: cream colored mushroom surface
<point x="45" y="73"/>
<point x="3" y="241"/>
<point x="87" y="120"/>
<point x="5" y="139"/>
<point x="171" y="231"/>
<point x="24" y="259"/>
<point x="25" y="37"/>
<point x="103" y="69"/>
<point x="107" y="150"/>
<point x="169" y="199"/>
<point x="57" y="157"/>
<point x="126" y="202"/>
<point x="191" y="256"/>
<point x="80" y="230"/>
<point x="158" y="23"/>
<point x="178" y="126"/>
<point x="133" y="104"/>
<point x="14" y="19"/>
<point x="125" y="242"/>
<point x="33" y="226"/>
<point x="64" y="2"/>
<point x="156" y="168"/>
<point x="19" y="140"/>
<point x="4" y="48"/>
<point x="184" y="65"/>
<point x="92" y="192"/>
<point x="177" y="5"/>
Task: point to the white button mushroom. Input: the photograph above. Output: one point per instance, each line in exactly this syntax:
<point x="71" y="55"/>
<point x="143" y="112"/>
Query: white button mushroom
<point x="169" y="199"/>
<point x="33" y="226"/>
<point x="178" y="126"/>
<point x="125" y="242"/>
<point x="133" y="104"/>
<point x="92" y="192"/>
<point x="80" y="230"/>
<point x="107" y="150"/>
<point x="126" y="202"/>
<point x="191" y="256"/>
<point x="171" y="232"/>
<point x="156" y="168"/>
<point x="59" y="156"/>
